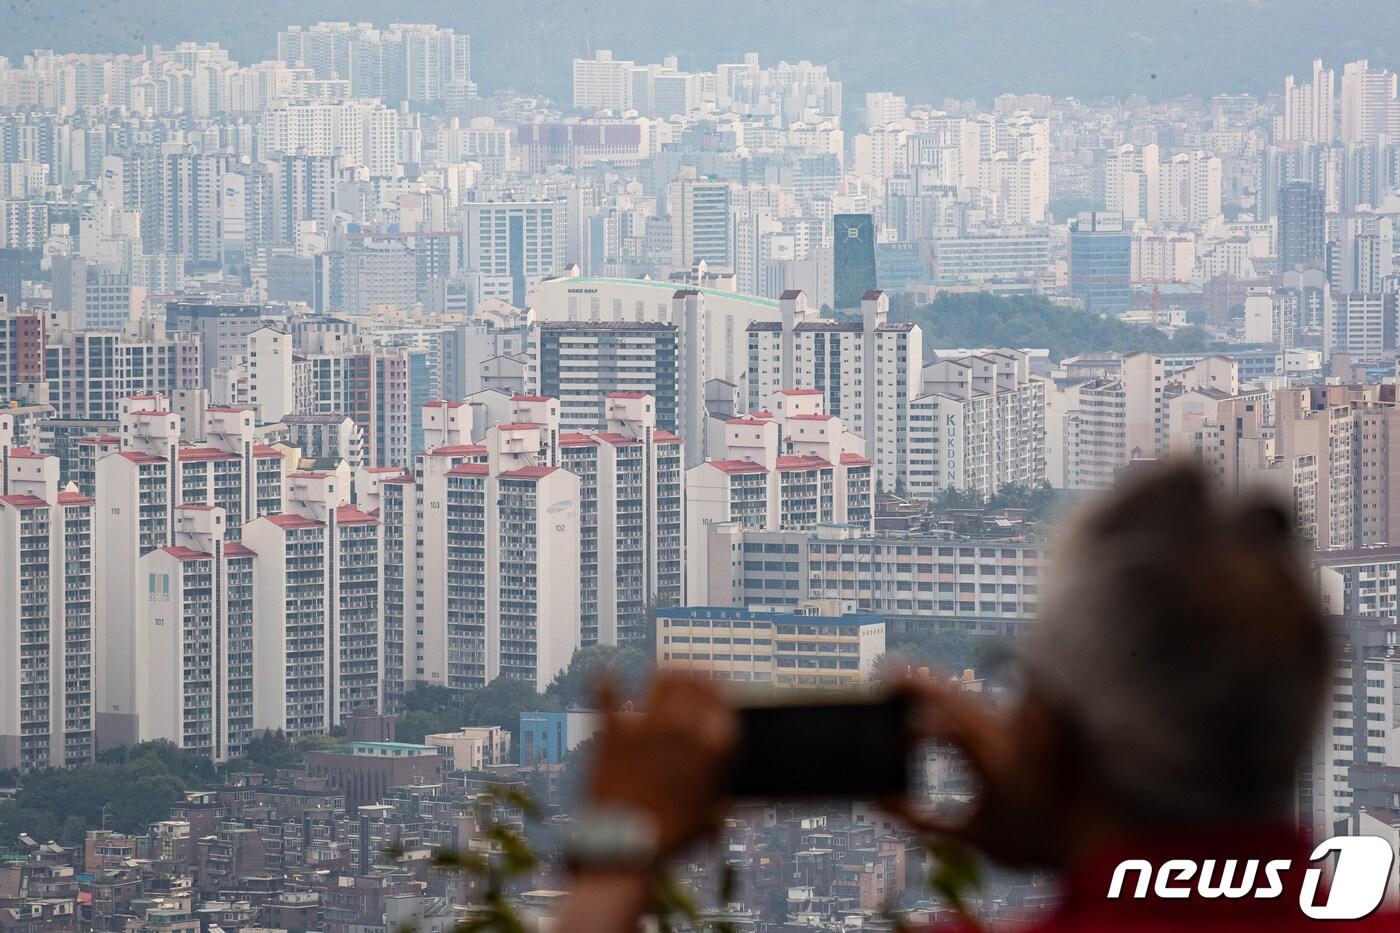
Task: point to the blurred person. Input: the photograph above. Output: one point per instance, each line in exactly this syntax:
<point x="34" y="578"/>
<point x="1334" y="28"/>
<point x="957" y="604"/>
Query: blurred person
<point x="1169" y="692"/>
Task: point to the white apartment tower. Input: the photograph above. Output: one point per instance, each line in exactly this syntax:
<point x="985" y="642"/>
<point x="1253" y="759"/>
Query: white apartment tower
<point x="1309" y="110"/>
<point x="788" y="467"/>
<point x="867" y="373"/>
<point x="195" y="638"/>
<point x="603" y="83"/>
<point x="512" y="245"/>
<point x="46" y="618"/>
<point x="978" y="426"/>
<point x="1368" y="102"/>
<point x="700" y="222"/>
<point x="317" y="645"/>
<point x="501" y="546"/>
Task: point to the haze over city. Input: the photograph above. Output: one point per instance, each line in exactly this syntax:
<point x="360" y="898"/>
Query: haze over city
<point x="539" y="466"/>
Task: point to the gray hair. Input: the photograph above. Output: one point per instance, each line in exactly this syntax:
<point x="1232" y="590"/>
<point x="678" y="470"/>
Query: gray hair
<point x="1180" y="632"/>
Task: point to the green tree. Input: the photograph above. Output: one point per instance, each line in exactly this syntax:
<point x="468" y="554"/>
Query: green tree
<point x="501" y="702"/>
<point x="573" y="773"/>
<point x="628" y="666"/>
<point x="981" y="319"/>
<point x="132" y="787"/>
<point x="414" y="724"/>
<point x="943" y="652"/>
<point x="427" y="697"/>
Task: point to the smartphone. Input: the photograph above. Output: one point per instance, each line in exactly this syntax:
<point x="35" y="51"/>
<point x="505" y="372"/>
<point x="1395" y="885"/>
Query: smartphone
<point x="828" y="748"/>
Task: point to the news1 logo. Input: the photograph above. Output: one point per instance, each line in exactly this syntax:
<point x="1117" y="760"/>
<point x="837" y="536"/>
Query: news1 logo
<point x="1358" y="883"/>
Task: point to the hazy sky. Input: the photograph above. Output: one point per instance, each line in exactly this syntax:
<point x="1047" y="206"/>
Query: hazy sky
<point x="927" y="48"/>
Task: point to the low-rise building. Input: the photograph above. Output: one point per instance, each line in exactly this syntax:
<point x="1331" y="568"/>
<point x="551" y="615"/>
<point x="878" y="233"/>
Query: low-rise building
<point x="811" y="645"/>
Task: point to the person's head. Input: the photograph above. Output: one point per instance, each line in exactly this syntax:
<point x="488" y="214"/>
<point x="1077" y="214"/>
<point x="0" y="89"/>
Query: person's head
<point x="1178" y="667"/>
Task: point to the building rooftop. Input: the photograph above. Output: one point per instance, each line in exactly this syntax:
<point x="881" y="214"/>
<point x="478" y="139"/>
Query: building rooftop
<point x="529" y="472"/>
<point x="606" y="325"/>
<point x="738" y="466"/>
<point x="384" y="750"/>
<point x="184" y="553"/>
<point x="668" y="287"/>
<point x="349" y="515"/>
<point x="803" y="463"/>
<point x="458" y="450"/>
<point x="188" y="454"/>
<point x="293" y="521"/>
<point x="137" y="456"/>
<point x="24" y="502"/>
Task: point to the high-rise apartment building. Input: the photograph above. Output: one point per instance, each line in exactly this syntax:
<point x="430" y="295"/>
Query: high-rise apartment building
<point x="317" y="642"/>
<point x="978" y="425"/>
<point x="363" y="133"/>
<point x="790" y="466"/>
<point x="220" y="329"/>
<point x="512" y="245"/>
<point x="95" y="297"/>
<point x="1368" y="102"/>
<point x="192" y="185"/>
<point x="141" y="487"/>
<point x="1094" y="426"/>
<point x="89" y="373"/>
<point x="501" y="563"/>
<point x="603" y="83"/>
<point x="1309" y="110"/>
<point x="581" y="364"/>
<point x="302" y="190"/>
<point x="710" y="326"/>
<point x="194" y="638"/>
<point x="47" y="662"/>
<point x="700" y="222"/>
<point x="1189" y="188"/>
<point x="866" y="373"/>
<point x="1334" y="446"/>
<point x="418" y="63"/>
<point x="1302" y="226"/>
<point x="629" y="508"/>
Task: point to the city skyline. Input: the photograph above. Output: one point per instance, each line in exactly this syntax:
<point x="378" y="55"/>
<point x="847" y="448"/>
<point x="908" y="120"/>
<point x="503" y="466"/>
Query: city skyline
<point x="374" y="379"/>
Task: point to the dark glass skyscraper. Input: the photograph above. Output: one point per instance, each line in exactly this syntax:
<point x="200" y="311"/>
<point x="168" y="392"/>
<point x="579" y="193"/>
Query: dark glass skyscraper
<point x="1100" y="262"/>
<point x="853" y="259"/>
<point x="1302" y="226"/>
<point x="13" y="263"/>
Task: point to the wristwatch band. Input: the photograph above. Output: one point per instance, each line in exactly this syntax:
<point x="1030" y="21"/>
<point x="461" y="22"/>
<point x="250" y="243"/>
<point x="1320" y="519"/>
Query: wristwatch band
<point x="612" y="837"/>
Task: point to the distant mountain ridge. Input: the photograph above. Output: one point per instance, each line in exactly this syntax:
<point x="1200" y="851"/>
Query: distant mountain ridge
<point x="927" y="49"/>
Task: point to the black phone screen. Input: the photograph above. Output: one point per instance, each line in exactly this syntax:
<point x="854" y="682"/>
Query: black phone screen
<point x="827" y="749"/>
